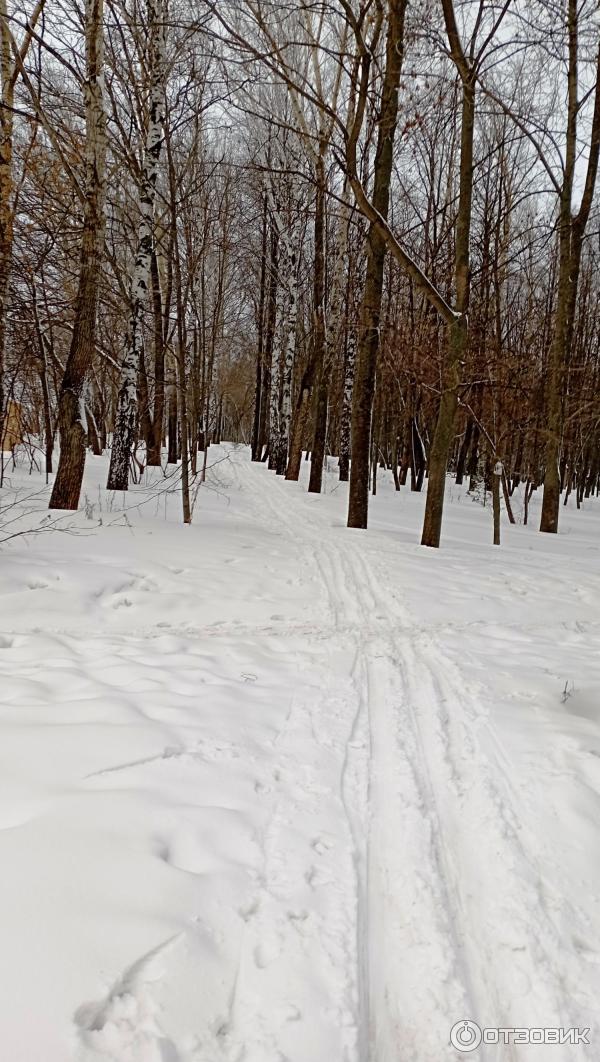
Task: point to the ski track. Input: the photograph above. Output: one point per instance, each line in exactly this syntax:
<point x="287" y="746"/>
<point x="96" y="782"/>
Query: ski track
<point x="432" y="818"/>
<point x="417" y="890"/>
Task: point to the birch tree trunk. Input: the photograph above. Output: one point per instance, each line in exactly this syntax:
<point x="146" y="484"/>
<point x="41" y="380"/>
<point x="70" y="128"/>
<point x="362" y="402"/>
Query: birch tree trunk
<point x="288" y="355"/>
<point x="126" y="415"/>
<point x="182" y="336"/>
<point x="276" y="366"/>
<point x="155" y="449"/>
<point x="72" y="421"/>
<point x="328" y="336"/>
<point x="282" y="361"/>
<point x="353" y="297"/>
<point x="314" y="365"/>
<point x="259" y="395"/>
<point x="270" y="330"/>
<point x="346" y="415"/>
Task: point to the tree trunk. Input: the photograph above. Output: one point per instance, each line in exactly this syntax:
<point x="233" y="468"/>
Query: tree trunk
<point x="299" y="421"/>
<point x="314" y="367"/>
<point x="463" y="452"/>
<point x="287" y="367"/>
<point x="418" y="458"/>
<point x="6" y="190"/>
<point x="571" y="234"/>
<point x="158" y="414"/>
<point x="93" y="436"/>
<point x="125" y="422"/>
<point x="458" y="328"/>
<point x="322" y="334"/>
<point x="317" y="455"/>
<point x="368" y="345"/>
<point x="172" y="445"/>
<point x="346" y="415"/>
<point x="9" y="71"/>
<point x="496" y="505"/>
<point x="265" y="406"/>
<point x="442" y="439"/>
<point x="143" y="402"/>
<point x="259" y="394"/>
<point x="71" y="411"/>
<point x="281" y="399"/>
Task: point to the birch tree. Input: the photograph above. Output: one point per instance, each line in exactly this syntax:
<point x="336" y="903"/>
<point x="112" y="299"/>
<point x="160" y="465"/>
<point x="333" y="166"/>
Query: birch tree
<point x="126" y="412"/>
<point x="284" y="210"/>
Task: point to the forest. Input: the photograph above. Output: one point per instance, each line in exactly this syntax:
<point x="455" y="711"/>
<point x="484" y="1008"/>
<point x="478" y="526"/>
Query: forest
<point x="293" y="292"/>
<point x="362" y="228"/>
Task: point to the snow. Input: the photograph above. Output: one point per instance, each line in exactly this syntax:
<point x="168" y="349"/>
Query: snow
<point x="276" y="791"/>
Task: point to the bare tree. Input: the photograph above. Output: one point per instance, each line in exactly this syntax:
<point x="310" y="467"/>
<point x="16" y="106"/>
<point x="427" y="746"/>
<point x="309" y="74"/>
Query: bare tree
<point x="72" y="417"/>
<point x="126" y="415"/>
<point x="12" y="59"/>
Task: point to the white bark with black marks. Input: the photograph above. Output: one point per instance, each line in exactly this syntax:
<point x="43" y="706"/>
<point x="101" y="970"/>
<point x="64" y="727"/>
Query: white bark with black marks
<point x="284" y="353"/>
<point x="126" y="415"/>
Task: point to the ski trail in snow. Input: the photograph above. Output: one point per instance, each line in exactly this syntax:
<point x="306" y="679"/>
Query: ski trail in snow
<point x="408" y="906"/>
<point x="397" y="881"/>
<point x="508" y="939"/>
<point x="453" y="918"/>
<point x="509" y="926"/>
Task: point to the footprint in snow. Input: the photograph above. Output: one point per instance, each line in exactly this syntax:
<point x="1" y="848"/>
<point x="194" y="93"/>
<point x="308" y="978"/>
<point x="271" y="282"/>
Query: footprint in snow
<point x="298" y="918"/>
<point x="267" y="952"/>
<point x="248" y="912"/>
<point x="585" y="951"/>
<point x="260" y="787"/>
<point x="293" y="1013"/>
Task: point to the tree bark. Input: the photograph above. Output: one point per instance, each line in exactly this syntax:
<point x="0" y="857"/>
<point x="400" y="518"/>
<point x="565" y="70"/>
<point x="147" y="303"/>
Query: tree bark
<point x="284" y="350"/>
<point x="368" y="344"/>
<point x="496" y="505"/>
<point x="11" y="62"/>
<point x="259" y="394"/>
<point x="458" y="328"/>
<point x="72" y="421"/>
<point x="571" y="233"/>
<point x="321" y="343"/>
<point x="126" y="415"/>
<point x="158" y="414"/>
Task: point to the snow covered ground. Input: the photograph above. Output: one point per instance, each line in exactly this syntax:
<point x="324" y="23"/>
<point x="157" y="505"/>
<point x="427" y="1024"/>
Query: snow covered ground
<point x="276" y="791"/>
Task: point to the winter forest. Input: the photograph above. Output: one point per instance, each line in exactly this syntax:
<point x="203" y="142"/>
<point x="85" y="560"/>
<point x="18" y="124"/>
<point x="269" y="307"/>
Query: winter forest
<point x="289" y="290"/>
